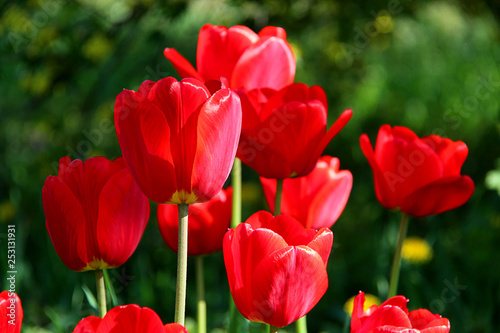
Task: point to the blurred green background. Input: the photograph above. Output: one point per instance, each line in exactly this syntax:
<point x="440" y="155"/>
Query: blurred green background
<point x="433" y="66"/>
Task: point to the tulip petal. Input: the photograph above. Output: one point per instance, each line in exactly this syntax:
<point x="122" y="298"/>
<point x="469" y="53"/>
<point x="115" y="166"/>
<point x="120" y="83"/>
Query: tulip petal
<point x="422" y="318"/>
<point x="181" y="102"/>
<point x="219" y="128"/>
<point x="383" y="192"/>
<point x="88" y="325"/>
<point x="10" y="301"/>
<point x="316" y="200"/>
<point x="337" y="126"/>
<point x="451" y="153"/>
<point x="390" y="316"/>
<point x="123" y="215"/>
<point x="287" y="285"/>
<point x="330" y="201"/>
<point x="268" y="63"/>
<point x="130" y="318"/>
<point x="146" y="148"/>
<point x="181" y="64"/>
<point x="244" y="249"/>
<point x="439" y="196"/>
<point x="65" y="222"/>
<point x="273" y="31"/>
<point x="322" y="244"/>
<point x="219" y="49"/>
<point x="284" y="142"/>
<point x="175" y="328"/>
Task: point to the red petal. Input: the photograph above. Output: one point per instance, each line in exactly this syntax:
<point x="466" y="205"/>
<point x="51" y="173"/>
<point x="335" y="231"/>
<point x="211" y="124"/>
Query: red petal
<point x="181" y="102"/>
<point x="181" y="65"/>
<point x="130" y="319"/>
<point x="438" y="197"/>
<point x="175" y="328"/>
<point x="413" y="163"/>
<point x="287" y="285"/>
<point x="144" y="138"/>
<point x="219" y="49"/>
<point x="357" y="312"/>
<point x="284" y="144"/>
<point x="332" y="192"/>
<point x="384" y="193"/>
<point x="269" y="63"/>
<point x="452" y="154"/>
<point x="421" y="318"/>
<point x="65" y="222"/>
<point x="273" y="31"/>
<point x="8" y="302"/>
<point x="218" y="133"/>
<point x="88" y="325"/>
<point x="388" y="315"/>
<point x="292" y="231"/>
<point x="123" y="215"/>
<point x="322" y="244"/>
<point x="244" y="248"/>
<point x="337" y="126"/>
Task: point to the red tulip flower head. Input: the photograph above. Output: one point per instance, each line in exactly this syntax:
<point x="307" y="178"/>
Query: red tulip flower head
<point x="276" y="268"/>
<point x="179" y="140"/>
<point x="95" y="213"/>
<point x="127" y="319"/>
<point x="421" y="176"/>
<point x="392" y="317"/>
<point x="316" y="200"/>
<point x="208" y="222"/>
<point x="246" y="59"/>
<point x="11" y="312"/>
<point x="284" y="132"/>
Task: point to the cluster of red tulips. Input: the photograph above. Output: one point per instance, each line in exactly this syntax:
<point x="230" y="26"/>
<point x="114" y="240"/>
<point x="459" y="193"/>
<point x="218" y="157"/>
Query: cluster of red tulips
<point x="181" y="139"/>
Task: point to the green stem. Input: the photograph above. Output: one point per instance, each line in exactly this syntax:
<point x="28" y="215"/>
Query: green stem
<point x="273" y="329"/>
<point x="200" y="293"/>
<point x="180" y="295"/>
<point x="279" y="194"/>
<point x="235" y="220"/>
<point x="396" y="262"/>
<point x="301" y="325"/>
<point x="236" y="184"/>
<point x="101" y="292"/>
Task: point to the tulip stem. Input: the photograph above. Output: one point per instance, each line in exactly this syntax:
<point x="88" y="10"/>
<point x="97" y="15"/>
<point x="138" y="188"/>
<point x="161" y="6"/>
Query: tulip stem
<point x="236" y="184"/>
<point x="101" y="292"/>
<point x="301" y="325"/>
<point x="200" y="294"/>
<point x="396" y="262"/>
<point x="279" y="194"/>
<point x="273" y="329"/>
<point x="235" y="216"/>
<point x="180" y="295"/>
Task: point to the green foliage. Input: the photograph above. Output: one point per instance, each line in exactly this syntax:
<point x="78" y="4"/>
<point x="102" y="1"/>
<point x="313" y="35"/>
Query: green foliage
<point x="431" y="66"/>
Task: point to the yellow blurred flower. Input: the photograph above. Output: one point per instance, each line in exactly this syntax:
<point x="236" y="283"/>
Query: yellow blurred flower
<point x="369" y="301"/>
<point x="97" y="47"/>
<point x="416" y="250"/>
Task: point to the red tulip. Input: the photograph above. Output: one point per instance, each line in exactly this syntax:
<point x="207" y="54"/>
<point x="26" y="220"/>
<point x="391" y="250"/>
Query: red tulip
<point x="284" y="132"/>
<point x="95" y="213"/>
<point x="246" y="59"/>
<point x="276" y="268"/>
<point x="11" y="312"/>
<point x="392" y="316"/>
<point x="208" y="222"/>
<point x="316" y="200"/>
<point x="420" y="176"/>
<point x="179" y="140"/>
<point x="127" y="319"/>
